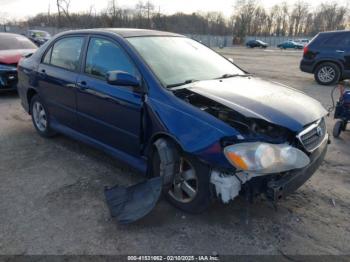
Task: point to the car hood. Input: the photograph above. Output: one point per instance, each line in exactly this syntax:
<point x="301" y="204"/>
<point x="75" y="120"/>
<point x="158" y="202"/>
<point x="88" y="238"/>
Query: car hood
<point x="13" y="56"/>
<point x="256" y="98"/>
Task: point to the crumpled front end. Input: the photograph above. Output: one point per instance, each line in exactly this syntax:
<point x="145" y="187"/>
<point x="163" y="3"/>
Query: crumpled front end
<point x="229" y="184"/>
<point x="274" y="172"/>
<point x="263" y="157"/>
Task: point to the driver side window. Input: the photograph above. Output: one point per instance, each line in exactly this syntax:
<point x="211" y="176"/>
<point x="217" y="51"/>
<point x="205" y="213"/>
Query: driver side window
<point x="104" y="55"/>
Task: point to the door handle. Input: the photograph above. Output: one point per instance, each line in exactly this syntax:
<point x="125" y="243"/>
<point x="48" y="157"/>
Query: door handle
<point x="42" y="72"/>
<point x="82" y="85"/>
<point x="339" y="51"/>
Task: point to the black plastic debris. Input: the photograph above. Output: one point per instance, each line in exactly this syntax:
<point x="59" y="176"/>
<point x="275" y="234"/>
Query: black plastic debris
<point x="129" y="204"/>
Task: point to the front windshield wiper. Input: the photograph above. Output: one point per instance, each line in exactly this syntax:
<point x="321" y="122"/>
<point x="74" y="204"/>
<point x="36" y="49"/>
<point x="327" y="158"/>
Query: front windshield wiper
<point x="194" y="80"/>
<point x="189" y="81"/>
<point x="232" y="75"/>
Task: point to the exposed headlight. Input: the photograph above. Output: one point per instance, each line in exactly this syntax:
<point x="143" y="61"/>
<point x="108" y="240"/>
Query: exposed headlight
<point x="265" y="158"/>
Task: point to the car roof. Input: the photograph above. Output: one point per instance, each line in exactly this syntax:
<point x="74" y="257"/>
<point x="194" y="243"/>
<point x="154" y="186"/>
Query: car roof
<point x="34" y="30"/>
<point x="335" y="32"/>
<point x="125" y="32"/>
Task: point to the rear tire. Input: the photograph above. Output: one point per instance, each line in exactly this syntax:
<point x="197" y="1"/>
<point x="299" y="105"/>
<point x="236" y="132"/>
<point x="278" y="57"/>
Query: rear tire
<point x="189" y="189"/>
<point x="327" y="73"/>
<point x="337" y="128"/>
<point x="40" y="117"/>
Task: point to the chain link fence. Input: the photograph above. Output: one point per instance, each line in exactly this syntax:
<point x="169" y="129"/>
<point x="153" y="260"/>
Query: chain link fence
<point x="273" y="41"/>
<point x="23" y="30"/>
<point x="208" y="40"/>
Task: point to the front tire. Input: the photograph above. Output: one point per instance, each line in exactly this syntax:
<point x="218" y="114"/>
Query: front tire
<point x="40" y="117"/>
<point x="327" y="74"/>
<point x="189" y="189"/>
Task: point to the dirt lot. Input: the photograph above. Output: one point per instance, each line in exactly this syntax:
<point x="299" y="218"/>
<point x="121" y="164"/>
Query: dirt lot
<point x="52" y="194"/>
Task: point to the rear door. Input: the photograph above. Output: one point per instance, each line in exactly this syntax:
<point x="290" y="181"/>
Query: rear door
<point x="333" y="48"/>
<point x="108" y="113"/>
<point x="344" y="50"/>
<point x="57" y="77"/>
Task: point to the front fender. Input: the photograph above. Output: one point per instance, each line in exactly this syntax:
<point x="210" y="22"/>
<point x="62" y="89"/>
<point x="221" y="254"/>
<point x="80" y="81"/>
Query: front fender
<point x="197" y="132"/>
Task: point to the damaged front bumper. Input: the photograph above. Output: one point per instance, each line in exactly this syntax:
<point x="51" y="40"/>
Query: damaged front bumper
<point x="275" y="186"/>
<point x="8" y="78"/>
<point x="291" y="181"/>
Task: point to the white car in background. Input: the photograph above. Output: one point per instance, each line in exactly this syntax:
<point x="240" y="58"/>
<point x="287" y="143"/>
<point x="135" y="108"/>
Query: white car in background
<point x="304" y="42"/>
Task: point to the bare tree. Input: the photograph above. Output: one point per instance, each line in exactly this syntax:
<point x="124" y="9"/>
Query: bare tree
<point x="3" y="20"/>
<point x="244" y="12"/>
<point x="149" y="11"/>
<point x="285" y="12"/>
<point x="299" y="15"/>
<point x="63" y="7"/>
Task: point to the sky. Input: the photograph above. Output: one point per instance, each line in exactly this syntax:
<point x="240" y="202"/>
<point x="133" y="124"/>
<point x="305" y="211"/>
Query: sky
<point x="21" y="9"/>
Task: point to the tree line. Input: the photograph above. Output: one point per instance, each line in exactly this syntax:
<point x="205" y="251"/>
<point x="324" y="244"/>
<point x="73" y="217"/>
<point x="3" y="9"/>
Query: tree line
<point x="283" y="20"/>
<point x="249" y="17"/>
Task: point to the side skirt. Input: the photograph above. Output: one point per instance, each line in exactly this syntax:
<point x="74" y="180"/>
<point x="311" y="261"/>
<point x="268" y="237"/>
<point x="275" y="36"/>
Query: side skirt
<point x="138" y="164"/>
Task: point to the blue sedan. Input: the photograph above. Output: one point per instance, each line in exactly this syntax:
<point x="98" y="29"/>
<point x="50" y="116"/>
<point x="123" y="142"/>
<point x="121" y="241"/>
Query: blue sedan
<point x="290" y="44"/>
<point x="172" y="108"/>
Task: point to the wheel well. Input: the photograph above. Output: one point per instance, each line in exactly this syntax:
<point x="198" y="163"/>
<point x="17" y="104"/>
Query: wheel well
<point x="329" y="61"/>
<point x="150" y="149"/>
<point x="30" y="93"/>
<point x="165" y="136"/>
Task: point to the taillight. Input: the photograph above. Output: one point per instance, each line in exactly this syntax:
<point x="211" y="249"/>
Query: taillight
<point x="306" y="49"/>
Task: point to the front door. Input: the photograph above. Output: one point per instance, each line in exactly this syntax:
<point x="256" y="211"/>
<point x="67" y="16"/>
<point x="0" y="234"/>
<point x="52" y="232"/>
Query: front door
<point x="107" y="113"/>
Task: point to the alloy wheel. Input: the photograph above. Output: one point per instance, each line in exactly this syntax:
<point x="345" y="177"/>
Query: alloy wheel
<point x="185" y="185"/>
<point x="326" y="74"/>
<point x="39" y="115"/>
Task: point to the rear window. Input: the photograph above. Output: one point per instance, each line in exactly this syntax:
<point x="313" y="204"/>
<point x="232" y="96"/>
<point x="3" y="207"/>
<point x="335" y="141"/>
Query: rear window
<point x="331" y="40"/>
<point x="11" y="42"/>
<point x="313" y="40"/>
<point x="66" y="53"/>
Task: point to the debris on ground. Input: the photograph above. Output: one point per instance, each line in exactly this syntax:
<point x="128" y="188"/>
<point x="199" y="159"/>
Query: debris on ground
<point x="129" y="204"/>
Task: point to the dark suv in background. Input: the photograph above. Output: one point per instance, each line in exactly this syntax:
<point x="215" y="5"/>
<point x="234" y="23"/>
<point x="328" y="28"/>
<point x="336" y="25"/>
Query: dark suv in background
<point x="327" y="56"/>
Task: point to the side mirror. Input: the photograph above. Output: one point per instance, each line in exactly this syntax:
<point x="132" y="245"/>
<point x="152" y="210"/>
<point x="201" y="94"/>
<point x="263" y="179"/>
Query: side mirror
<point x="121" y="78"/>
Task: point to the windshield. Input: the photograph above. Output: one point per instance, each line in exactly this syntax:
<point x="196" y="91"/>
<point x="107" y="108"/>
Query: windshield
<point x="177" y="60"/>
<point x="11" y="42"/>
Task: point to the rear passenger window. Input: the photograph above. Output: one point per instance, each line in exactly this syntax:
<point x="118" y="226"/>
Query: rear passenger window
<point x="346" y="40"/>
<point x="104" y="55"/>
<point x="334" y="40"/>
<point x="66" y="53"/>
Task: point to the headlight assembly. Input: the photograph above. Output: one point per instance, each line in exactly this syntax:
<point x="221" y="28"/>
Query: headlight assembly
<point x="265" y="158"/>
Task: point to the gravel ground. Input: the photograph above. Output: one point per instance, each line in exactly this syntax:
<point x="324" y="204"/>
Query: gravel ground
<point x="52" y="194"/>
